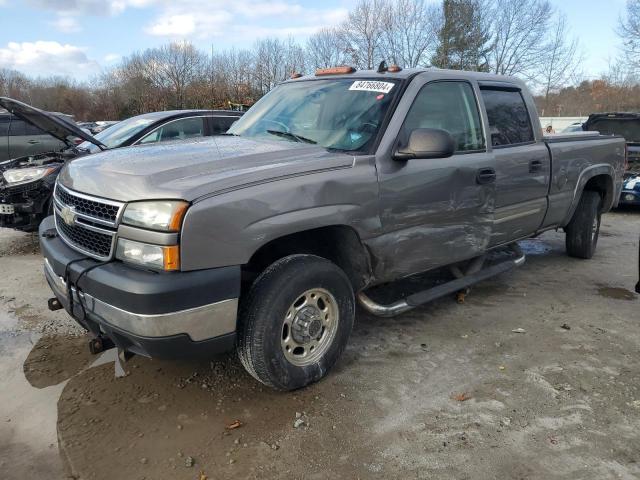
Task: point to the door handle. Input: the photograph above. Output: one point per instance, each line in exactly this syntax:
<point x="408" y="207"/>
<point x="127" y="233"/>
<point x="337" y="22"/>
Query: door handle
<point x="535" y="166"/>
<point x="33" y="142"/>
<point x="486" y="175"/>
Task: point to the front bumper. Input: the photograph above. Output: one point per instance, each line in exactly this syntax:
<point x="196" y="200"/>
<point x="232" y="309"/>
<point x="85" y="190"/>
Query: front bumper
<point x="629" y="197"/>
<point x="24" y="206"/>
<point x="162" y="315"/>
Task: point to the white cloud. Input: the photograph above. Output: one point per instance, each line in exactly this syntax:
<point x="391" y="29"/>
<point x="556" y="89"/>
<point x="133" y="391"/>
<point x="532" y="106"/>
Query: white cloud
<point x="66" y="24"/>
<point x="172" y="25"/>
<point x="89" y="7"/>
<point x="44" y="58"/>
<point x="246" y="19"/>
<point x="176" y="23"/>
<point x="112" y="57"/>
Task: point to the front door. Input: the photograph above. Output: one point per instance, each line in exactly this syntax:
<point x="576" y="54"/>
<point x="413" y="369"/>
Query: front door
<point x="435" y="211"/>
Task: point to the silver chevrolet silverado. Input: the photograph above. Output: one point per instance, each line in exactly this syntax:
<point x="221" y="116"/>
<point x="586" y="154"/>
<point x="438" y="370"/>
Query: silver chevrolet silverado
<point x="326" y="190"/>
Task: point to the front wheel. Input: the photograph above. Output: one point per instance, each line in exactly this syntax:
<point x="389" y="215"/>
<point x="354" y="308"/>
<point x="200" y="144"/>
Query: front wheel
<point x="295" y="321"/>
<point x="584" y="228"/>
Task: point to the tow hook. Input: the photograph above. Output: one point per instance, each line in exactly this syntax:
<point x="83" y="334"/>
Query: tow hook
<point x="99" y="344"/>
<point x="54" y="304"/>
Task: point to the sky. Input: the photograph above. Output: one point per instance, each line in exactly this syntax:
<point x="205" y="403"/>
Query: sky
<point x="80" y="38"/>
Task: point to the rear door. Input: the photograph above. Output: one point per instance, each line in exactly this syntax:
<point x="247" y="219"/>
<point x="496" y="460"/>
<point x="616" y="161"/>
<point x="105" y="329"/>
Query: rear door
<point x="17" y="137"/>
<point x="435" y="211"/>
<point x="37" y="141"/>
<point x="522" y="165"/>
<point x="4" y="137"/>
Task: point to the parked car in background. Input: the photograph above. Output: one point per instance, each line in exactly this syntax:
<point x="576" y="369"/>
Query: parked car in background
<point x="27" y="182"/>
<point x="573" y="128"/>
<point x="103" y="125"/>
<point x="265" y="238"/>
<point x="97" y="127"/>
<point x="626" y="124"/>
<point x="163" y="127"/>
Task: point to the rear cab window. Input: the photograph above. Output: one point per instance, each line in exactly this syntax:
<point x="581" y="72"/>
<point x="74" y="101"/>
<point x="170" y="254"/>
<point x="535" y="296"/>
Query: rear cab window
<point x="509" y="120"/>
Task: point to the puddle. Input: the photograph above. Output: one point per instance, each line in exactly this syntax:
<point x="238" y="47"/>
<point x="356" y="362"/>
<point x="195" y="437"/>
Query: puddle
<point x="28" y="437"/>
<point x="534" y="246"/>
<point x="616" y="293"/>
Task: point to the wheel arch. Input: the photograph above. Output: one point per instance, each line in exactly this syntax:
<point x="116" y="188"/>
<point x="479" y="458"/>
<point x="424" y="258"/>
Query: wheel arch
<point x="599" y="178"/>
<point x="340" y="244"/>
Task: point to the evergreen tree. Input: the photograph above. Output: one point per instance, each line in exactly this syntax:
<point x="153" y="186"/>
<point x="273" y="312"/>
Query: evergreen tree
<point x="464" y="36"/>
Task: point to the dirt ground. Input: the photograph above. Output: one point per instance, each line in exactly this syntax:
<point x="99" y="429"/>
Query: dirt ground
<point x="535" y="376"/>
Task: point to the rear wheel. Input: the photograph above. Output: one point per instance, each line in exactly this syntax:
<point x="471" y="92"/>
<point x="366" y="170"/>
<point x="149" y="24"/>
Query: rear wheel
<point x="295" y="321"/>
<point x="584" y="228"/>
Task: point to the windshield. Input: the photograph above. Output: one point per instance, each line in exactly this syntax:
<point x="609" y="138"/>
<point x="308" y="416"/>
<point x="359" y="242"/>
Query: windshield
<point x="343" y="114"/>
<point x="120" y="132"/>
<point x="628" y="128"/>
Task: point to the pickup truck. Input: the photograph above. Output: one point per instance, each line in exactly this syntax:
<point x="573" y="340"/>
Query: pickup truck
<point x="264" y="239"/>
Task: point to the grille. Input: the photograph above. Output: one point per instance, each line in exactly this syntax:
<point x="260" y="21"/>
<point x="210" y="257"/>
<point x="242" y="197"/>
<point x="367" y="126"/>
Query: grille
<point x="94" y="227"/>
<point x="92" y="208"/>
<point x="89" y="241"/>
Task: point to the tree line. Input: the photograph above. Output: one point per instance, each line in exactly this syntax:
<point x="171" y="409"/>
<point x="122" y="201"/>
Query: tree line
<point x="526" y="38"/>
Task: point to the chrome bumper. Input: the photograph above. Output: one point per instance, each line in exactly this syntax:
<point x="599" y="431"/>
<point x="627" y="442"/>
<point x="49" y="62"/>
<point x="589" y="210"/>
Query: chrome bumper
<point x="200" y="323"/>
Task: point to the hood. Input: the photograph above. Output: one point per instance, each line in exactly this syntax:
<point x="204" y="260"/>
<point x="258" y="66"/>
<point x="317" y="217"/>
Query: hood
<point x="194" y="169"/>
<point x="55" y="125"/>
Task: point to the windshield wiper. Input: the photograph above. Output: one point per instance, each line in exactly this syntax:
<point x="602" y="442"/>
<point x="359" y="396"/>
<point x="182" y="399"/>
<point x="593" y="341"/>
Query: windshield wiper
<point x="293" y="136"/>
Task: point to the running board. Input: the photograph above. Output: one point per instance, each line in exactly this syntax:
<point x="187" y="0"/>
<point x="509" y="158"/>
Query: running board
<point x="431" y="294"/>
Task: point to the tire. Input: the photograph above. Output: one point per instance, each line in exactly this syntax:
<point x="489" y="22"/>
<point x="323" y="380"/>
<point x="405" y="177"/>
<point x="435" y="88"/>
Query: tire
<point x="584" y="228"/>
<point x="280" y="340"/>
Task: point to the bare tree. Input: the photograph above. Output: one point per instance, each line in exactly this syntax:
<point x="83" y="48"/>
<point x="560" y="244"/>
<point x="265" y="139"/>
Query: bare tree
<point x="409" y="32"/>
<point x="363" y="32"/>
<point x="561" y="59"/>
<point x="629" y="32"/>
<point x="326" y="49"/>
<point x="175" y="66"/>
<point x="519" y="30"/>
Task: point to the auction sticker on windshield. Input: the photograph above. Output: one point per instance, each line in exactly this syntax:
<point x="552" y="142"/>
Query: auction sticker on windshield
<point x="372" y="86"/>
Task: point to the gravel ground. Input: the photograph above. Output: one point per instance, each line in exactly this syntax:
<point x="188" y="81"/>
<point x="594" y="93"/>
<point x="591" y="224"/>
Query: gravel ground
<point x="535" y="376"/>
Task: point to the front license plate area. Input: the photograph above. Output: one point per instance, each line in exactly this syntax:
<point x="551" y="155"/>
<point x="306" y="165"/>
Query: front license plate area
<point x="6" y="209"/>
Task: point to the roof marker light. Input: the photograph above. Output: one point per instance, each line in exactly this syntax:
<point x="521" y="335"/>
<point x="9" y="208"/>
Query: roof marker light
<point x="334" y="70"/>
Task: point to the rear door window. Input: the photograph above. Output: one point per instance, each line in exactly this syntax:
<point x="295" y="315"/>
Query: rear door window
<point x="176" y="130"/>
<point x="32" y="130"/>
<point x="220" y="125"/>
<point x="17" y="128"/>
<point x="509" y="120"/>
<point x="4" y="125"/>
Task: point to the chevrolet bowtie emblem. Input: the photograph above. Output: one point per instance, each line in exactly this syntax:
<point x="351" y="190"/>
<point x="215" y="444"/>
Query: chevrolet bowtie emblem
<point x="68" y="215"/>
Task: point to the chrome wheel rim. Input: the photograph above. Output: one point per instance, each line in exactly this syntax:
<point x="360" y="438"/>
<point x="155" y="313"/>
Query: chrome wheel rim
<point x="309" y="327"/>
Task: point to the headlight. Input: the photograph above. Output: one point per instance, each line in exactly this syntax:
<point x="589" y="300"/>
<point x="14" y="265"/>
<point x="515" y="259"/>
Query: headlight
<point x="165" y="215"/>
<point x="154" y="256"/>
<point x="22" y="175"/>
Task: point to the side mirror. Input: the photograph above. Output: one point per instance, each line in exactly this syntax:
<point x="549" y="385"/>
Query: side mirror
<point x="426" y="143"/>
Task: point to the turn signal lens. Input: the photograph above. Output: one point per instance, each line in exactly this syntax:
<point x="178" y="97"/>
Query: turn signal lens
<point x="171" y="257"/>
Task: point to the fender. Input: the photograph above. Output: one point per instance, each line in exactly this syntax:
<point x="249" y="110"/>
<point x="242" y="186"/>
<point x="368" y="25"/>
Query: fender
<point x="586" y="175"/>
